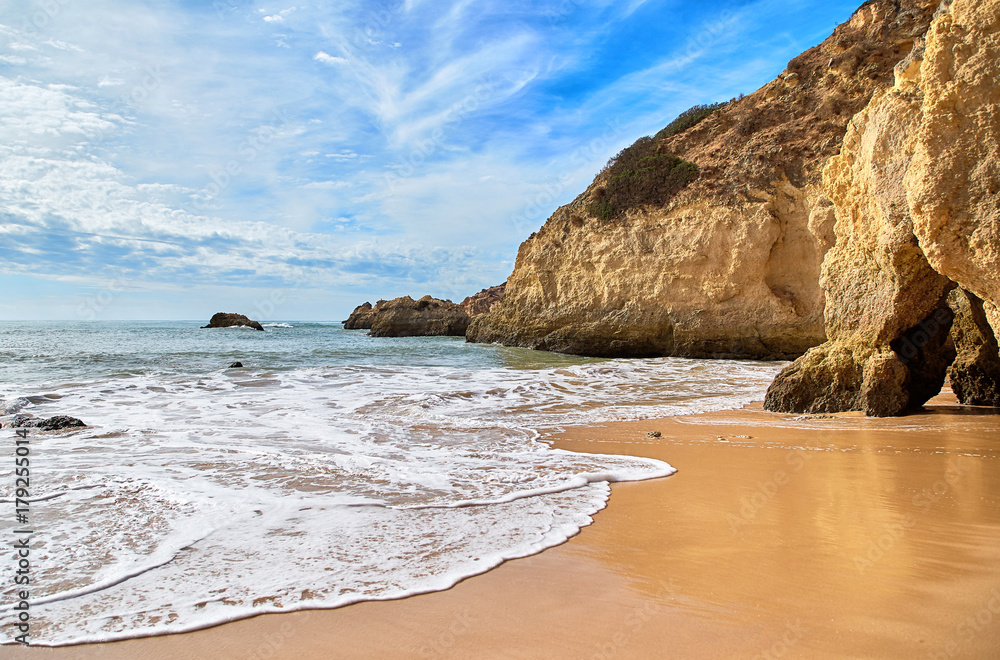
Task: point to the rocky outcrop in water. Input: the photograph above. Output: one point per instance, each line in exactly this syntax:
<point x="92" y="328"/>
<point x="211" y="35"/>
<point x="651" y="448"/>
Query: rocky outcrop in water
<point x="226" y="320"/>
<point x="729" y="264"/>
<point x="406" y="317"/>
<point x="483" y="302"/>
<point x="916" y="213"/>
<point x="56" y="423"/>
<point x="362" y="317"/>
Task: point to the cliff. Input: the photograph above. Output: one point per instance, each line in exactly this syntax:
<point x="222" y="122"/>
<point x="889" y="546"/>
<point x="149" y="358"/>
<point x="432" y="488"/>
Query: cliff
<point x="722" y="257"/>
<point x="915" y="191"/>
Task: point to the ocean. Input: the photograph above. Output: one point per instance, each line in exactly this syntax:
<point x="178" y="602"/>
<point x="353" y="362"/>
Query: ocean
<point x="331" y="468"/>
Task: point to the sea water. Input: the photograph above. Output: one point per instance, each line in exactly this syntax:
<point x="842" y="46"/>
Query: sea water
<point x="331" y="468"/>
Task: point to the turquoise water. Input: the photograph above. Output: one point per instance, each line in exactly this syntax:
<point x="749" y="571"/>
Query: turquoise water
<point x="366" y="468"/>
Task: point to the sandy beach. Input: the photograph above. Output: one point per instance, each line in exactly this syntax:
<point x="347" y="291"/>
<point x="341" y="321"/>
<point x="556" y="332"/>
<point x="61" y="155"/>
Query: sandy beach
<point x="780" y="536"/>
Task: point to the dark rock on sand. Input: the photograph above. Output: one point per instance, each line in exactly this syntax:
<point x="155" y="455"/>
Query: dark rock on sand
<point x="51" y="424"/>
<point x="226" y="320"/>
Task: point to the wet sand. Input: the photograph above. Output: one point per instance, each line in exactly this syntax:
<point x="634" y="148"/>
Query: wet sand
<point x="779" y="537"/>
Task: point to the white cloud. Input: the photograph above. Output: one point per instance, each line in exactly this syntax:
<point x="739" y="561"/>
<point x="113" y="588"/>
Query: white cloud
<point x="326" y="58"/>
<point x="278" y="17"/>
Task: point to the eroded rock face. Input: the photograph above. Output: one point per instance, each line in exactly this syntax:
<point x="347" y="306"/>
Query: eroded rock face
<point x="953" y="183"/>
<point x="730" y="266"/>
<point x="879" y="286"/>
<point x="224" y="320"/>
<point x="406" y="317"/>
<point x="975" y="374"/>
<point x="362" y="317"/>
<point x="484" y="301"/>
<point x="906" y="228"/>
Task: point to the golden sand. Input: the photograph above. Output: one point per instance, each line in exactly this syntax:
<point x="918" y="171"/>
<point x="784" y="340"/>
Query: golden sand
<point x="779" y="537"/>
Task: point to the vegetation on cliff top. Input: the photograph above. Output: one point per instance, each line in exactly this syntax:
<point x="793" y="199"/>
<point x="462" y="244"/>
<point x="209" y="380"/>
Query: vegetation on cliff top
<point x="641" y="175"/>
<point x="689" y="119"/>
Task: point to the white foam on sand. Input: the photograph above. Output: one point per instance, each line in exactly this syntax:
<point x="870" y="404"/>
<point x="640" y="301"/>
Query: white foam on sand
<point x="194" y="501"/>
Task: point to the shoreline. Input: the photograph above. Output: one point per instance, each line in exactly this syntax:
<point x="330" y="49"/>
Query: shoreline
<point x="779" y="536"/>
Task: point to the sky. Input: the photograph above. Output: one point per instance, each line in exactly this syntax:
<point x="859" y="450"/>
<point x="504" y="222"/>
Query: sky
<point x="289" y="161"/>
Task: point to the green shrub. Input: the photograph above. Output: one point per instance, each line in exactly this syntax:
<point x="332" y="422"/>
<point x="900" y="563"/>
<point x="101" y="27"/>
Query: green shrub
<point x="689" y="119"/>
<point x="640" y="176"/>
<point x="602" y="210"/>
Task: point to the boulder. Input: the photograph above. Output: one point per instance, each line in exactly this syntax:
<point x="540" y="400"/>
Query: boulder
<point x="50" y="424"/>
<point x="226" y="320"/>
<point x="406" y="317"/>
<point x="361" y="318"/>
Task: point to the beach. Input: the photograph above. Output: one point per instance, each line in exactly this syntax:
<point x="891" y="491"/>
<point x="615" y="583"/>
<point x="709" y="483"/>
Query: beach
<point x="779" y="536"/>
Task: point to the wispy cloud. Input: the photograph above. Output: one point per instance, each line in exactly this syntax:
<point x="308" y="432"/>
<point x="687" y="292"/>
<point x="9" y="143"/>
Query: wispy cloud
<point x="382" y="149"/>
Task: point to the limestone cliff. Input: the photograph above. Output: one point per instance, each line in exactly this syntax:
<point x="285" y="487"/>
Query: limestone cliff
<point x="915" y="197"/>
<point x="953" y="183"/>
<point x="729" y="266"/>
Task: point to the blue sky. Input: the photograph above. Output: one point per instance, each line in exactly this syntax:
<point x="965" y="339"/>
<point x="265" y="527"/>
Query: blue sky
<point x="167" y="160"/>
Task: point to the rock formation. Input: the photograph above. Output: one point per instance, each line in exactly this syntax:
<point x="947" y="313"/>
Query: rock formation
<point x="728" y="266"/>
<point x="406" y="317"/>
<point x="56" y="423"/>
<point x="975" y="374"/>
<point x="916" y="212"/>
<point x="482" y="302"/>
<point x="224" y="320"/>
<point x="361" y="318"/>
<point x="953" y="182"/>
